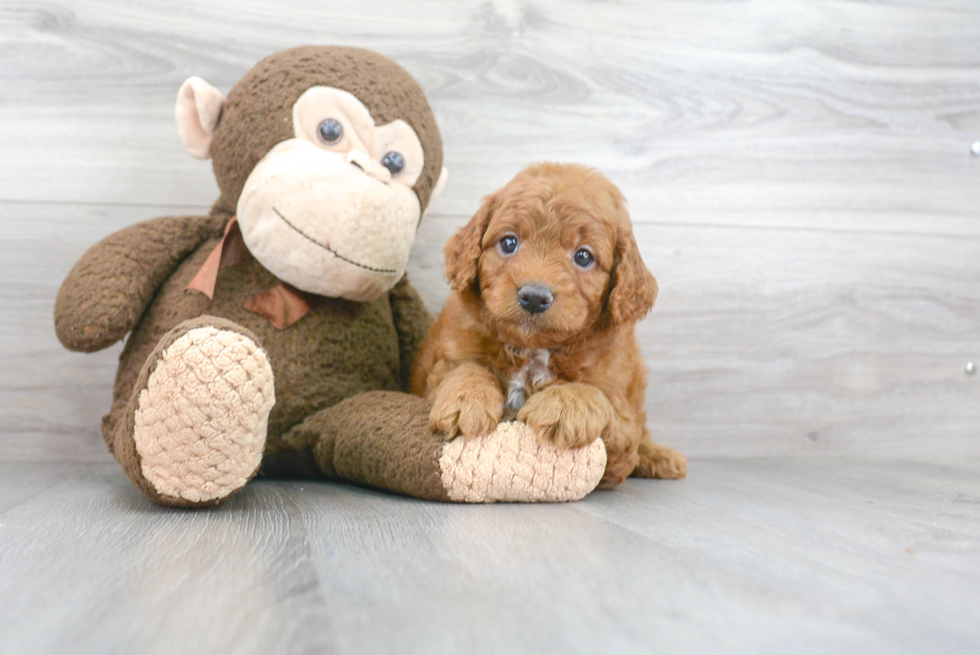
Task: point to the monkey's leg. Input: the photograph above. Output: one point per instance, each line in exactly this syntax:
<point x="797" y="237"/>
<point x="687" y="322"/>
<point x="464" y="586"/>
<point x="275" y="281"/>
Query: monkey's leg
<point x="194" y="430"/>
<point x="383" y="439"/>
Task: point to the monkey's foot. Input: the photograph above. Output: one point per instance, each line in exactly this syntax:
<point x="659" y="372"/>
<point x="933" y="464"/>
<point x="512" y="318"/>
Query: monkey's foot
<point x="200" y="418"/>
<point x="510" y="465"/>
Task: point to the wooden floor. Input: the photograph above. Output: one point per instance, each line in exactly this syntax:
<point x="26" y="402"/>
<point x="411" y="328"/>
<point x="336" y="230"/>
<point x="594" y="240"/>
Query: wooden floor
<point x="748" y="556"/>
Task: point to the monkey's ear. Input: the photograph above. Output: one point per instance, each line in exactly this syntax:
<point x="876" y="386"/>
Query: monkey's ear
<point x="198" y="111"/>
<point x="463" y="250"/>
<point x="440" y="184"/>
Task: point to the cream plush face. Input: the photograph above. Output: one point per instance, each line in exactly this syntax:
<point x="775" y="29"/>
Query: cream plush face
<point x="332" y="211"/>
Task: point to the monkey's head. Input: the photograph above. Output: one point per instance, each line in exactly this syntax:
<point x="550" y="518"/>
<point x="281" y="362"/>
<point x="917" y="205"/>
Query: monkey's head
<point x="329" y="156"/>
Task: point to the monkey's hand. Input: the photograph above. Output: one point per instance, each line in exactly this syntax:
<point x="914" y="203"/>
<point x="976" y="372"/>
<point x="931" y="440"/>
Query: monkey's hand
<point x="107" y="291"/>
<point x="468" y="402"/>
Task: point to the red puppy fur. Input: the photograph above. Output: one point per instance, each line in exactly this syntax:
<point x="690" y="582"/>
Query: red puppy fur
<point x="548" y="284"/>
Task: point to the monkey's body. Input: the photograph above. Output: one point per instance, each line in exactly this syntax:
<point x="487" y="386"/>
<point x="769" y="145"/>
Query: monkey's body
<point x="210" y="391"/>
<point x="324" y="341"/>
<point x="340" y="349"/>
<point x="345" y="347"/>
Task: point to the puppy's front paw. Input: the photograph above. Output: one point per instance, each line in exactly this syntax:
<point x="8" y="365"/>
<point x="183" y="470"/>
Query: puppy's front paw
<point x="568" y="415"/>
<point x="470" y="412"/>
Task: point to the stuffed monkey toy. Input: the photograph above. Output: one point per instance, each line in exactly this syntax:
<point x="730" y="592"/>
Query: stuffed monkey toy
<point x="275" y="335"/>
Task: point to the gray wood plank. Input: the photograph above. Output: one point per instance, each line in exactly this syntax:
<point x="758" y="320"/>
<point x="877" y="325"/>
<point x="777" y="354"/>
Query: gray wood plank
<point x="92" y="566"/>
<point x="850" y="115"/>
<point x="831" y="540"/>
<point x="747" y="556"/>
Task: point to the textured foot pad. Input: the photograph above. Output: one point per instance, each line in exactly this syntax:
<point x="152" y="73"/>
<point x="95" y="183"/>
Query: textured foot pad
<point x="201" y="421"/>
<point x="510" y="465"/>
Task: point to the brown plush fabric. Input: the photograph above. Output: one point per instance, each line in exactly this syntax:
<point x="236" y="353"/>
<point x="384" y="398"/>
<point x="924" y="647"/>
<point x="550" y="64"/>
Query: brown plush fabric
<point x="339" y="349"/>
<point x="412" y="322"/>
<point x="108" y="289"/>
<point x="282" y="306"/>
<point x="258" y="111"/>
<point x="381" y="439"/>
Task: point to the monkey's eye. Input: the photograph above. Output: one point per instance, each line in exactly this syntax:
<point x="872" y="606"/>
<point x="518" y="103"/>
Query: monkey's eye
<point x="583" y="258"/>
<point x="394" y="162"/>
<point x="508" y="245"/>
<point x="331" y="131"/>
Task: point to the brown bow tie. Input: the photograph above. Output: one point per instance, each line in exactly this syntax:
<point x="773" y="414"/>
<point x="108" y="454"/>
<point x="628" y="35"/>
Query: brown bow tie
<point x="281" y="305"/>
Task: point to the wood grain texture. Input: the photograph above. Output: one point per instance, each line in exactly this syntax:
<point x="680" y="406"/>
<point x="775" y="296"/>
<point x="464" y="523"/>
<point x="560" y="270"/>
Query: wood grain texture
<point x="747" y="556"/>
<point x="799" y="173"/>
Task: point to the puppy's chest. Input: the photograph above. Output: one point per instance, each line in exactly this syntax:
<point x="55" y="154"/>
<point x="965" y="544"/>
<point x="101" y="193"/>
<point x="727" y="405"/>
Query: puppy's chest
<point x="531" y="372"/>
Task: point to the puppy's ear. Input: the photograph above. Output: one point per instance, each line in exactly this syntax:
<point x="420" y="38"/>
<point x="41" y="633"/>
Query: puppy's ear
<point x="463" y="249"/>
<point x="633" y="287"/>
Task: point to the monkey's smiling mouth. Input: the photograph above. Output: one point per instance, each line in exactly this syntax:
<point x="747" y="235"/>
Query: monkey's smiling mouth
<point x="388" y="271"/>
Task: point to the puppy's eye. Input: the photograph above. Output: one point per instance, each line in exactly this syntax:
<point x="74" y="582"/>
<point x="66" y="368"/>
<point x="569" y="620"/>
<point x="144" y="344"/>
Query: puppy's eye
<point x="508" y="245"/>
<point x="331" y="131"/>
<point x="583" y="258"/>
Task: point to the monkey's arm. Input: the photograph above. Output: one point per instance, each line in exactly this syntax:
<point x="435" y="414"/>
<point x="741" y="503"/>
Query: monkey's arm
<point x="412" y="321"/>
<point x="107" y="291"/>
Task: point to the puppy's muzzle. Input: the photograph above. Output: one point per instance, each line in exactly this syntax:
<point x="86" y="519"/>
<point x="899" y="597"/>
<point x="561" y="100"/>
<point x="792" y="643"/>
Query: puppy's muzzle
<point x="535" y="298"/>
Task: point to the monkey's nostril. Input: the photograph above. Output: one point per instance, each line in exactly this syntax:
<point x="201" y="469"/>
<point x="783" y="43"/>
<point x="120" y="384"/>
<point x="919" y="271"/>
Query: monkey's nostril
<point x="356" y="163"/>
<point x="535" y="298"/>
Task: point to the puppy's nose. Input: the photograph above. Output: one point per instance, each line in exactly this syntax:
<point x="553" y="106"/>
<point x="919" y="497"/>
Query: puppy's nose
<point x="535" y="298"/>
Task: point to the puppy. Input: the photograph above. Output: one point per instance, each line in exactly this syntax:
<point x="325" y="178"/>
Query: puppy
<point x="548" y="284"/>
